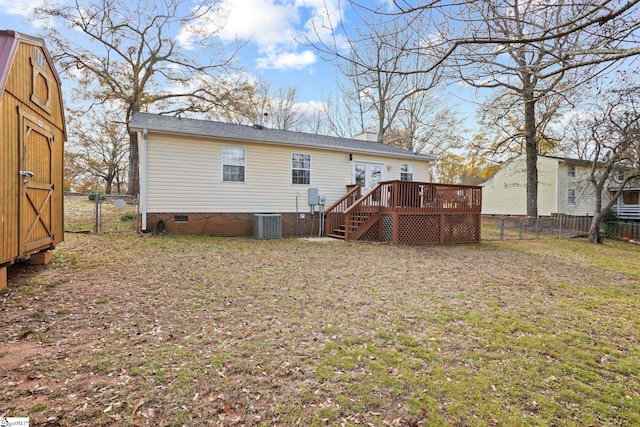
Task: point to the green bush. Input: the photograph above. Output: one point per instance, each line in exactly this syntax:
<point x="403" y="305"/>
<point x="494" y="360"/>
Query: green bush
<point x="129" y="216"/>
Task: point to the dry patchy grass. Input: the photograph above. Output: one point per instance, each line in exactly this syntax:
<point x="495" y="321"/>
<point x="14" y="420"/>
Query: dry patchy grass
<point x="193" y="330"/>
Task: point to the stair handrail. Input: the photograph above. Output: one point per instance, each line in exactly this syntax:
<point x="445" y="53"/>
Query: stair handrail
<point x="368" y="200"/>
<point x="334" y="214"/>
<point x="347" y="195"/>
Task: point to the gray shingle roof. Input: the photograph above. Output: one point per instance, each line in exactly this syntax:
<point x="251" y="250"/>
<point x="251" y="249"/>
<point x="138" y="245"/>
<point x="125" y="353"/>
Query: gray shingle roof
<point x="206" y="128"/>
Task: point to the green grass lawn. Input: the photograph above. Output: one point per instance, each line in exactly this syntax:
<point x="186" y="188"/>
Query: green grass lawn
<point x="191" y="330"/>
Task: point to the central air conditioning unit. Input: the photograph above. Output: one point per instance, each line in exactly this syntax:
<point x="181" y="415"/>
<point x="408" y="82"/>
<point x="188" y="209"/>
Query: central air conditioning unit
<point x="267" y="226"/>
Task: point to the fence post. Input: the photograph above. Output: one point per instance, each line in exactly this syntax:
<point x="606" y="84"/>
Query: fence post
<point x="537" y="226"/>
<point x="560" y="229"/>
<point x="502" y="228"/>
<point x="95" y="225"/>
<point x="520" y="229"/>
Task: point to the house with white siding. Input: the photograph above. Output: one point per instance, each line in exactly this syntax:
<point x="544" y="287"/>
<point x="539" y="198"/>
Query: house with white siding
<point x="201" y="176"/>
<point x="563" y="187"/>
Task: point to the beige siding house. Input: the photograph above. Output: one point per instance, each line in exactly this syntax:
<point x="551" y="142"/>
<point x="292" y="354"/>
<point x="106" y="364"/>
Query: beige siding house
<point x="210" y="177"/>
<point x="563" y="187"/>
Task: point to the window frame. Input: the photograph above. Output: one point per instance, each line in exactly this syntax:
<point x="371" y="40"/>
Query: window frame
<point x="571" y="171"/>
<point x="39" y="69"/>
<point x="409" y="172"/>
<point x="571" y="196"/>
<point x="228" y="160"/>
<point x="306" y="171"/>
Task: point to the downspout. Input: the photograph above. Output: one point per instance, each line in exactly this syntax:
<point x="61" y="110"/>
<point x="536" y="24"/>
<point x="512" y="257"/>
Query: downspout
<point x="142" y="149"/>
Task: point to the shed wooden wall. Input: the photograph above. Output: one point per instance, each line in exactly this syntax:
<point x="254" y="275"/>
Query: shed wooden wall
<point x="17" y="97"/>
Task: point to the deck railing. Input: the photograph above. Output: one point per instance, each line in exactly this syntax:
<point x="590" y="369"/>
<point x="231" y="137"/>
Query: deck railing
<point x="392" y="198"/>
<point x="627" y="211"/>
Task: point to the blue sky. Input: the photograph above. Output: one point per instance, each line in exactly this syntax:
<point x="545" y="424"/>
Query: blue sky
<point x="270" y="30"/>
<point x="268" y="27"/>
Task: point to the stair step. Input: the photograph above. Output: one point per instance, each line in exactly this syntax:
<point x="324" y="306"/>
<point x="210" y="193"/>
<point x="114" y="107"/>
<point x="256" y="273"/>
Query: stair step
<point x="336" y="236"/>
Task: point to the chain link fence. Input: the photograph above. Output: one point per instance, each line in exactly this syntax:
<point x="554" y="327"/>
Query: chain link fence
<point x="100" y="213"/>
<point x="559" y="225"/>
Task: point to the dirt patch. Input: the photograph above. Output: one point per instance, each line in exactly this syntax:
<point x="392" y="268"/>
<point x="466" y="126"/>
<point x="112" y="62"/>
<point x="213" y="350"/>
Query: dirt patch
<point x="14" y="355"/>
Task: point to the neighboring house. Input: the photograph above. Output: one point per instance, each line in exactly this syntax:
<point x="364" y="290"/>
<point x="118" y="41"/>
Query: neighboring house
<point x="201" y="176"/>
<point x="563" y="187"/>
<point x="32" y="140"/>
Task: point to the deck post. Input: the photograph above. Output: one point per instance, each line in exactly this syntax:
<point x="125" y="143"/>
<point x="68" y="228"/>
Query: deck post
<point x="396" y="225"/>
<point x="3" y="277"/>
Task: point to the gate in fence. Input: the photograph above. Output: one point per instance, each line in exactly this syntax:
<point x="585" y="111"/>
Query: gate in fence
<point x="95" y="213"/>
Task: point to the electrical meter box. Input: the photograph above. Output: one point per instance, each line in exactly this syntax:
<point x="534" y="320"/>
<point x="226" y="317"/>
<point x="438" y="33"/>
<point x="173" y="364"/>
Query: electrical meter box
<point x="313" y="196"/>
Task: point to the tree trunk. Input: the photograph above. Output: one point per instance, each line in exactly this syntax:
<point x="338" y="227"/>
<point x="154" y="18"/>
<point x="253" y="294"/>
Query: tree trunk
<point x="594" y="231"/>
<point x="531" y="150"/>
<point x="133" y="184"/>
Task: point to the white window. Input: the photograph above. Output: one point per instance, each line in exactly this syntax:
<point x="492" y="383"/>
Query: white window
<point x="571" y="171"/>
<point x="233" y="164"/>
<point x="300" y="168"/>
<point x="571" y="196"/>
<point x="40" y="59"/>
<point x="406" y="172"/>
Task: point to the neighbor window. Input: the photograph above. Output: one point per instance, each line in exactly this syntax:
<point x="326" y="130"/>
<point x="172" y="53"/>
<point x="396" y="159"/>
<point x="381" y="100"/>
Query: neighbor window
<point x="631" y="197"/>
<point x="233" y="164"/>
<point x="571" y="171"/>
<point x="406" y="172"/>
<point x="300" y="168"/>
<point x="571" y="196"/>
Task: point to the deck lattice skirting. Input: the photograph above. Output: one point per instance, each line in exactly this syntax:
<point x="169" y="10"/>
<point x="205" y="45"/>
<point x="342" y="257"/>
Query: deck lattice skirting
<point x="408" y="212"/>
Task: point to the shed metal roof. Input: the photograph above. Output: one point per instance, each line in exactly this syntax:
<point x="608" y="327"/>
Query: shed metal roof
<point x="206" y="128"/>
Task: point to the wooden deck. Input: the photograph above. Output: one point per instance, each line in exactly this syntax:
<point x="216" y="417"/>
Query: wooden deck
<point x="408" y="212"/>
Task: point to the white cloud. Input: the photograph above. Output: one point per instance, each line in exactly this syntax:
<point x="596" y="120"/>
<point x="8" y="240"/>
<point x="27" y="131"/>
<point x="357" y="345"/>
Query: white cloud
<point x="286" y="60"/>
<point x="273" y="26"/>
<point x="22" y="7"/>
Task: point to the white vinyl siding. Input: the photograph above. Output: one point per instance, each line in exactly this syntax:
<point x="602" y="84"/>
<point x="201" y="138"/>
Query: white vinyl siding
<point x="184" y="175"/>
<point x="506" y="192"/>
<point x="583" y="193"/>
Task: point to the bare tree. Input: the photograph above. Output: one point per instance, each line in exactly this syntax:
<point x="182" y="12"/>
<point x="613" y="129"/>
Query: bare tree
<point x="526" y="47"/>
<point x="533" y="70"/>
<point x="609" y="135"/>
<point x="101" y="148"/>
<point x="124" y="54"/>
<point x="378" y="88"/>
<point x="503" y="128"/>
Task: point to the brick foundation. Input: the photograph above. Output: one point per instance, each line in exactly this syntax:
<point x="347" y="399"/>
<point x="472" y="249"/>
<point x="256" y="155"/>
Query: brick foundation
<point x="228" y="224"/>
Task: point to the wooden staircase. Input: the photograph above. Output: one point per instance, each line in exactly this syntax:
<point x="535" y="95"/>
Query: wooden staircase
<point x="351" y="216"/>
<point x="339" y="232"/>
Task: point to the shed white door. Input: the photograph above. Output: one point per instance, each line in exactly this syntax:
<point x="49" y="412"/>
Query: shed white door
<point x="368" y="174"/>
<point x="36" y="185"/>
